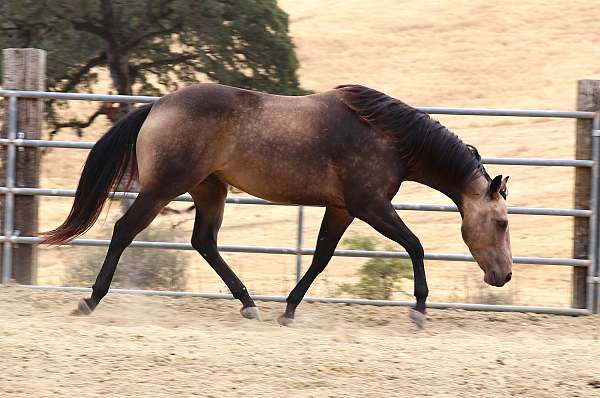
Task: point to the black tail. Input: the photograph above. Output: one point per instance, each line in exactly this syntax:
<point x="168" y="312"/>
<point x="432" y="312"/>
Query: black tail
<point x="109" y="160"/>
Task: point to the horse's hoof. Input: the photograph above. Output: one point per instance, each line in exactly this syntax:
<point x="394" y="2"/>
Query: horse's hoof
<point x="285" y="321"/>
<point x="251" y="313"/>
<point x="83" y="308"/>
<point x="418" y="318"/>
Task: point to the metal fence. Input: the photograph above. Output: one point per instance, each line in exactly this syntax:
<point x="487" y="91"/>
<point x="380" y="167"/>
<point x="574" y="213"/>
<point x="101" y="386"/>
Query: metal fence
<point x="10" y="238"/>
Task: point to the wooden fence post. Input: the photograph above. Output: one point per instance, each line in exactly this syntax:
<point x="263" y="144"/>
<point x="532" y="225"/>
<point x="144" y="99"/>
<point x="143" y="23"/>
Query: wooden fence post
<point x="25" y="69"/>
<point x="588" y="99"/>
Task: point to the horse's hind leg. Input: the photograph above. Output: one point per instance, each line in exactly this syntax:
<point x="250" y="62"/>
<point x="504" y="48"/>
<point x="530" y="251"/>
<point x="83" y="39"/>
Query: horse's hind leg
<point x="141" y="213"/>
<point x="209" y="198"/>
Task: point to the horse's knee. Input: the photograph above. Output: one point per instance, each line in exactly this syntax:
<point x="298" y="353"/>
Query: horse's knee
<point x="203" y="245"/>
<point x="415" y="249"/>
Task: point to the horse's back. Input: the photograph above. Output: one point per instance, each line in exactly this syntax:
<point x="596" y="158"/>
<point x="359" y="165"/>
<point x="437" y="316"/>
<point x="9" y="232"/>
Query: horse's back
<point x="271" y="146"/>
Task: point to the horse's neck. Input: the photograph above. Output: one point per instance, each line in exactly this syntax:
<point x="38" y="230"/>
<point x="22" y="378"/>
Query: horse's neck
<point x="470" y="189"/>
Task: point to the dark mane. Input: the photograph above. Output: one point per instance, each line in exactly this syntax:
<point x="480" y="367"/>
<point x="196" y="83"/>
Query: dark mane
<point x="419" y="137"/>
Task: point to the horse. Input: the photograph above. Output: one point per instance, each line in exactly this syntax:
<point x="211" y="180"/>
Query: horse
<point x="347" y="149"/>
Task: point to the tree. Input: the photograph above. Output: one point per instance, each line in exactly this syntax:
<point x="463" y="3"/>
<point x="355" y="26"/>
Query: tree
<point x="153" y="46"/>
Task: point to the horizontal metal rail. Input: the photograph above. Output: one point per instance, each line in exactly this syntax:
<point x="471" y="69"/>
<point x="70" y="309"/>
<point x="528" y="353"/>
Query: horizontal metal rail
<point x="78" y="96"/>
<point x="537" y="211"/>
<point x="507" y="112"/>
<point x="281" y="299"/>
<point x="571" y="262"/>
<point x="538" y="162"/>
<point x="486" y="160"/>
<point x="48" y="143"/>
<point x="428" y="109"/>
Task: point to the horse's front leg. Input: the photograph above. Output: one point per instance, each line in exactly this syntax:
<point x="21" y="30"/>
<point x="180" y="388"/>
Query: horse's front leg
<point x="382" y="216"/>
<point x="335" y="222"/>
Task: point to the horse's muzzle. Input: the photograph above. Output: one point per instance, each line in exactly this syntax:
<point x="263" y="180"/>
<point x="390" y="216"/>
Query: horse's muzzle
<point x="496" y="279"/>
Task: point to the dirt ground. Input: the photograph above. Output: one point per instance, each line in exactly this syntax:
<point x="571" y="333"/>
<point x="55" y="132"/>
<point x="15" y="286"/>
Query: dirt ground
<point x="157" y="346"/>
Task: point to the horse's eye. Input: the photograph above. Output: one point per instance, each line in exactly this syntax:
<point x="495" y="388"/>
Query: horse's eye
<point x="502" y="224"/>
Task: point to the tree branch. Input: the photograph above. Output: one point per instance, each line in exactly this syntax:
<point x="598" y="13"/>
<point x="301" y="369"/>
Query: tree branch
<point x="152" y="19"/>
<point x="86" y="26"/>
<point x="108" y="20"/>
<point x="167" y="61"/>
<point x="77" y="124"/>
<point x="90" y="24"/>
<point x="147" y="35"/>
<point x="75" y="78"/>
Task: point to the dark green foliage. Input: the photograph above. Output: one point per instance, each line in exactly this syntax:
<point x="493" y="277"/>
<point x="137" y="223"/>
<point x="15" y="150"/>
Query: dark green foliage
<point x="139" y="268"/>
<point x="379" y="277"/>
<point x="153" y="46"/>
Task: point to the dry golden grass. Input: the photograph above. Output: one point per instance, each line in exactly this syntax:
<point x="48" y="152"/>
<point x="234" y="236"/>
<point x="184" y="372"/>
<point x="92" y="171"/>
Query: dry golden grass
<point x="518" y="54"/>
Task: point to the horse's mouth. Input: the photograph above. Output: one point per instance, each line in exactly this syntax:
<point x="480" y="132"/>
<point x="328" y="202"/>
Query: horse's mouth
<point x="495" y="279"/>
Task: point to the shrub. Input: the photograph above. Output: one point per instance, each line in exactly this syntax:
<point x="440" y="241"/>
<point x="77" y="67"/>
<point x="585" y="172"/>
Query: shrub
<point x="379" y="277"/>
<point x="139" y="268"/>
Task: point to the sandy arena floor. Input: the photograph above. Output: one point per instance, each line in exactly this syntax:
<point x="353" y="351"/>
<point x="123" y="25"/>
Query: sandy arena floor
<point x="156" y="346"/>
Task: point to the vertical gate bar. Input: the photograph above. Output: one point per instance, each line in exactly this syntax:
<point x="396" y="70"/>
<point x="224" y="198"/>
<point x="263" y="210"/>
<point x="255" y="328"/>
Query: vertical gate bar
<point x="592" y="293"/>
<point x="9" y="197"/>
<point x="299" y="243"/>
<point x="594" y="249"/>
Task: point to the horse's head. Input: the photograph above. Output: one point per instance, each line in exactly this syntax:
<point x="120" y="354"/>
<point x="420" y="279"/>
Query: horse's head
<point x="485" y="231"/>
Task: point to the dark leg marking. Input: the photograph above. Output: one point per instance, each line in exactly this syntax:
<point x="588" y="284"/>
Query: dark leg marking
<point x="383" y="217"/>
<point x="334" y="224"/>
<point x="209" y="198"/>
<point x="139" y="216"/>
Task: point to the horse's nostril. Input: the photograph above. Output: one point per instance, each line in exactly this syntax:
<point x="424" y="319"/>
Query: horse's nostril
<point x="508" y="277"/>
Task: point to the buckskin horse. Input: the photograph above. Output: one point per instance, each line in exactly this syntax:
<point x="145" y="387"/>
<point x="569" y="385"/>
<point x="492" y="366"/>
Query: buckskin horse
<point x="347" y="149"/>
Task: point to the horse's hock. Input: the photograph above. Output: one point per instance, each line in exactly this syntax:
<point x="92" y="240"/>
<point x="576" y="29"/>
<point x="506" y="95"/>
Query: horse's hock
<point x="20" y="143"/>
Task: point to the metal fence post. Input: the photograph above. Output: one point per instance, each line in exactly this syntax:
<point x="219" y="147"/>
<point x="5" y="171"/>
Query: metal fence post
<point x="593" y="222"/>
<point x="595" y="270"/>
<point x="588" y="100"/>
<point x="299" y="243"/>
<point x="9" y="199"/>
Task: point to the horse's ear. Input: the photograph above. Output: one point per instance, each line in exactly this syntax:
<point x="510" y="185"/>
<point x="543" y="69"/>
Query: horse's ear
<point x="498" y="186"/>
<point x="495" y="185"/>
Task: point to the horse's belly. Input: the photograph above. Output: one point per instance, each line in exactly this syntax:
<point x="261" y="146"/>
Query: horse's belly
<point x="280" y="184"/>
